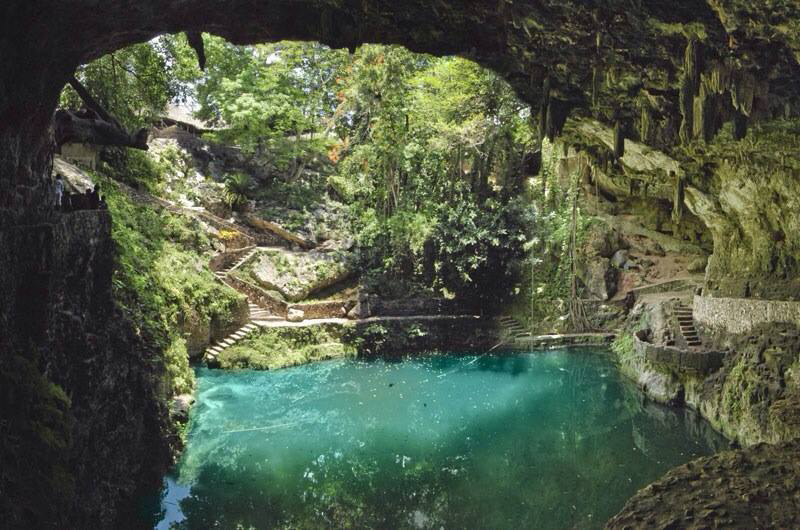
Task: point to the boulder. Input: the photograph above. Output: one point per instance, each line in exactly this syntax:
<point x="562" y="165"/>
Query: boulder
<point x="296" y="315"/>
<point x="197" y="332"/>
<point x="602" y="240"/>
<point x="620" y="259"/>
<point x="180" y="407"/>
<point x="296" y="275"/>
<point x="599" y="278"/>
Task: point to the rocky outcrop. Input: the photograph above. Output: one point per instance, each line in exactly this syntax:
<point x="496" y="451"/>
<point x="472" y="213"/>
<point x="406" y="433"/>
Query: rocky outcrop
<point x="750" y="210"/>
<point x="752" y="397"/>
<point x="752" y="488"/>
<point x="296" y="275"/>
<point x="594" y="267"/>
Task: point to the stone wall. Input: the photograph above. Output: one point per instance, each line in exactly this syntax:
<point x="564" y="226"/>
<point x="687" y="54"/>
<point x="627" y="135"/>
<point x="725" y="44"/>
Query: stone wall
<point x="328" y="309"/>
<point x="258" y="296"/>
<point x="742" y="315"/>
<point x="369" y="306"/>
<point x="680" y="360"/>
<point x="395" y="337"/>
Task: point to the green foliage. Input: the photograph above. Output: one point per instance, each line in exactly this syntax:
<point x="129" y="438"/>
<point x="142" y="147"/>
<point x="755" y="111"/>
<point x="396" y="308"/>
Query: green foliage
<point x="549" y="265"/>
<point x="271" y="349"/>
<point x="162" y="275"/>
<point x="133" y="167"/>
<point x="623" y="346"/>
<point x="370" y="340"/>
<point x="266" y="93"/>
<point x="237" y="187"/>
<point x="431" y="154"/>
<point x="134" y="84"/>
<point x="178" y="371"/>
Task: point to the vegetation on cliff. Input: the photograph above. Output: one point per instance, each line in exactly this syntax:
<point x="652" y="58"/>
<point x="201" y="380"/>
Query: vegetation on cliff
<point x="161" y="277"/>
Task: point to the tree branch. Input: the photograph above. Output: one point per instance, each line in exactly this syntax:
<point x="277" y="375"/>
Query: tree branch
<point x="73" y="127"/>
<point x="95" y="126"/>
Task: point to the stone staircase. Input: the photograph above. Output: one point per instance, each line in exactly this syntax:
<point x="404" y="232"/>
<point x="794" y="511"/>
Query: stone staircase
<point x="222" y="273"/>
<point x="259" y="317"/>
<point x="258" y="314"/>
<point x="686" y="322"/>
<point x="511" y="329"/>
<point x="213" y="351"/>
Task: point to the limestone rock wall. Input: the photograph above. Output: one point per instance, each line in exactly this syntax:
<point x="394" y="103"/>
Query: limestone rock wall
<point x="59" y="318"/>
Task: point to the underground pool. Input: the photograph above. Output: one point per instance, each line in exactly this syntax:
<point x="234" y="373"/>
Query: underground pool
<point x="555" y="439"/>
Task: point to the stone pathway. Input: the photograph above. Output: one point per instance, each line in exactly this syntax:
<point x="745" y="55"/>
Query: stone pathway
<point x="514" y="336"/>
<point x="560" y="340"/>
<point x="260" y="318"/>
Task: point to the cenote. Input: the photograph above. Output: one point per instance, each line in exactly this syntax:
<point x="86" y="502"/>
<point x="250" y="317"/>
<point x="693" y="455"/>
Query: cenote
<point x="554" y="439"/>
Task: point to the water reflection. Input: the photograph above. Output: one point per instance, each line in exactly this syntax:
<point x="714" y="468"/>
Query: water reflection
<point x="546" y="440"/>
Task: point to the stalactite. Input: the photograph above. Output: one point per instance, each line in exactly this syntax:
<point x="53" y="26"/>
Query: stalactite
<point x="743" y="93"/>
<point x="692" y="62"/>
<point x="690" y="85"/>
<point x="597" y="80"/>
<point x="677" y="197"/>
<point x="686" y="101"/>
<point x="707" y="114"/>
<point x="646" y="125"/>
<point x="739" y="126"/>
<point x="544" y="109"/>
<point x="619" y="140"/>
<point x="557" y="112"/>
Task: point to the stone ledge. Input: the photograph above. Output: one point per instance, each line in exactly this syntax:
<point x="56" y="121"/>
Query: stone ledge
<point x="558" y="341"/>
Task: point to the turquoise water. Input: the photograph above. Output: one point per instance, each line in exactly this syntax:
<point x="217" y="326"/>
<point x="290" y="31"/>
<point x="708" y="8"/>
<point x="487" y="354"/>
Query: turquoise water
<point x="540" y="440"/>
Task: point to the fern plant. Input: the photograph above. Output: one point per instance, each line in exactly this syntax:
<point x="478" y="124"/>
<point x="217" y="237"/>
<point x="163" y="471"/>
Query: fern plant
<point x="237" y="187"/>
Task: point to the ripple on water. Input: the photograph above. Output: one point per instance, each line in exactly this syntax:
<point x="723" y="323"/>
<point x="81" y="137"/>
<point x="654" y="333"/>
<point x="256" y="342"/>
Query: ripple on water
<point x="550" y="440"/>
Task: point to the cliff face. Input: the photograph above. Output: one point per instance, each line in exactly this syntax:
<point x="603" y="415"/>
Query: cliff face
<point x="71" y="452"/>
